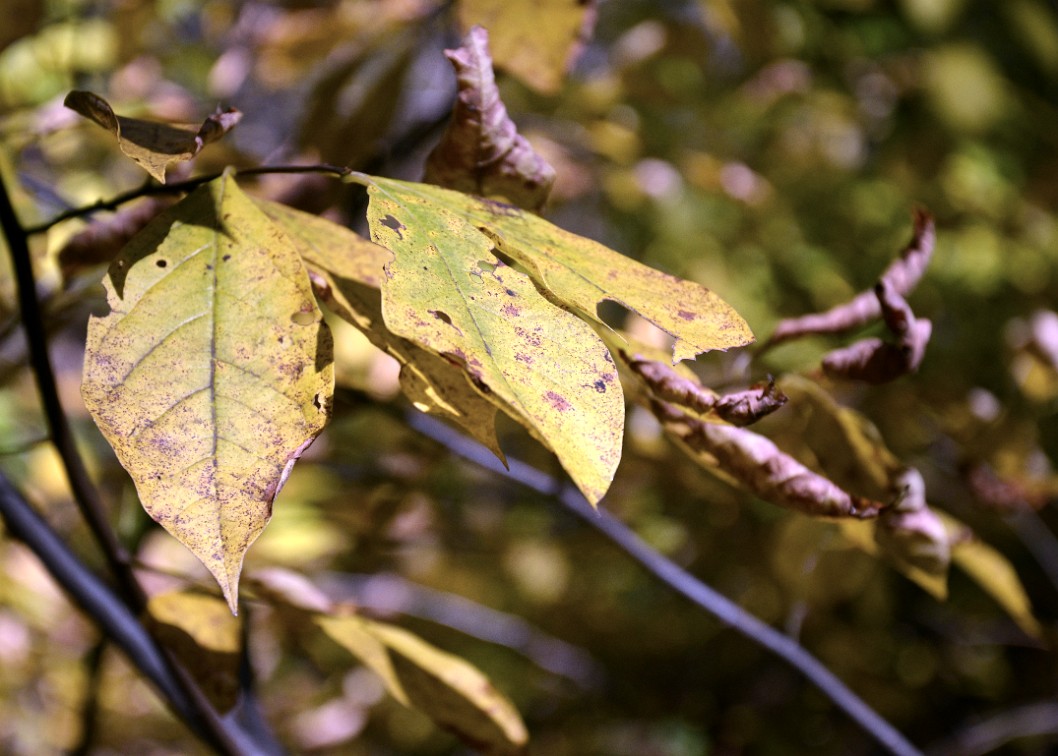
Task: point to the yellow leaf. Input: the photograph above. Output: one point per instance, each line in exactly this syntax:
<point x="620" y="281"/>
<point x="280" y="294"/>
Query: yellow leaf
<point x="581" y="273"/>
<point x="446" y="291"/>
<point x="151" y="144"/>
<point x="535" y="40"/>
<point x="349" y="268"/>
<point x="444" y="687"/>
<point x="206" y="638"/>
<point x="211" y="372"/>
<point x="996" y="577"/>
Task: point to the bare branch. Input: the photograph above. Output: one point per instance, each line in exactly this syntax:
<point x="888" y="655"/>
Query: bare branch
<point x="666" y="571"/>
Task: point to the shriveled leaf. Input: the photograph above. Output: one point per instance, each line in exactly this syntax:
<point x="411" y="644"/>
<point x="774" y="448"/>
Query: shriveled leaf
<point x="482" y="152"/>
<point x="211" y="372"/>
<point x="205" y="637"/>
<point x="101" y="240"/>
<point x="996" y="576"/>
<point x="153" y="145"/>
<point x="536" y="40"/>
<point x="446" y="291"/>
<point x="346" y="271"/>
<point x="669" y="384"/>
<point x="902" y="275"/>
<point x="756" y="464"/>
<point x="581" y="274"/>
<point x="444" y="687"/>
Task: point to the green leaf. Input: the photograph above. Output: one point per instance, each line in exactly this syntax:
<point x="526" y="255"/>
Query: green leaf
<point x="347" y="270"/>
<point x="444" y="687"/>
<point x="446" y="291"/>
<point x="211" y="372"/>
<point x="151" y="144"/>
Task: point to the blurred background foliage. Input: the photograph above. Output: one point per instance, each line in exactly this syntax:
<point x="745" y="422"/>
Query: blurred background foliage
<point x="771" y="149"/>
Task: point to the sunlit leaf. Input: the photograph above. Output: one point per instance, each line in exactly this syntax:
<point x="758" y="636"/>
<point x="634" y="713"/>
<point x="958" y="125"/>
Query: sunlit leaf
<point x="446" y="291"/>
<point x="347" y="270"/>
<point x="444" y="687"/>
<point x="211" y="372"/>
<point x="151" y="144"/>
<point x="202" y="633"/>
<point x="581" y="273"/>
<point x="536" y="40"/>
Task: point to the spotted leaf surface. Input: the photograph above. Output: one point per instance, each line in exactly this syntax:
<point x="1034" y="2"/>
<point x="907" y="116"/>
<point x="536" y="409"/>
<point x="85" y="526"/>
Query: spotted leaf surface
<point x="211" y="372"/>
<point x="447" y="292"/>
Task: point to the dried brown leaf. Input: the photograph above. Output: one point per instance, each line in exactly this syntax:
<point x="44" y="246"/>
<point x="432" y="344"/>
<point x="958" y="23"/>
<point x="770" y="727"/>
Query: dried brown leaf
<point x="151" y="144"/>
<point x="482" y="152"/>
<point x="666" y="383"/>
<point x="902" y="275"/>
<point x="759" y="466"/>
<point x="101" y="240"/>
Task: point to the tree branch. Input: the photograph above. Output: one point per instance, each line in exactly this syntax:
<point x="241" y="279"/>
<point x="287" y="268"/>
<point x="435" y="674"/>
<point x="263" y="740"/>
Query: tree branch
<point x="84" y="492"/>
<point x="148" y="189"/>
<point x="676" y="578"/>
<point x="117" y="622"/>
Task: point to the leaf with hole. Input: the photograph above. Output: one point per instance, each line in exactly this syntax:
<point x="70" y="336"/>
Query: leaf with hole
<point x="211" y="372"/>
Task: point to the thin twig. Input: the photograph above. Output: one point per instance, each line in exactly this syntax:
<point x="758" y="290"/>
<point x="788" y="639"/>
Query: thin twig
<point x="148" y="189"/>
<point x="676" y="578"/>
<point x="84" y="492"/>
<point x="99" y="602"/>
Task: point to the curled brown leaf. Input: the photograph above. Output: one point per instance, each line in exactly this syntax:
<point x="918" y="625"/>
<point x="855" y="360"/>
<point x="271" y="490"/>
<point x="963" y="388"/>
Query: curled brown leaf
<point x="759" y="466"/>
<point x="910" y="531"/>
<point x="151" y="144"/>
<point x="902" y="275"/>
<point x="664" y="382"/>
<point x="876" y="361"/>
<point x="482" y="152"/>
<point x="101" y="240"/>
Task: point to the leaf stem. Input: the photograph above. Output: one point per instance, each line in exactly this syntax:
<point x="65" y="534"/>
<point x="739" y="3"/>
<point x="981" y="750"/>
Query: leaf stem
<point x="716" y="604"/>
<point x="149" y="189"/>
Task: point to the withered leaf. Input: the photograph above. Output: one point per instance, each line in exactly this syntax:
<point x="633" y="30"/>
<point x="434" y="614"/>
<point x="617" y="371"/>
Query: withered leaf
<point x="153" y="145"/>
<point x="482" y="152"/>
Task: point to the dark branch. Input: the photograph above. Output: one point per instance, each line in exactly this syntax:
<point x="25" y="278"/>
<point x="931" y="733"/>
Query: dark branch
<point x="110" y="614"/>
<point x="149" y="189"/>
<point x="676" y="578"/>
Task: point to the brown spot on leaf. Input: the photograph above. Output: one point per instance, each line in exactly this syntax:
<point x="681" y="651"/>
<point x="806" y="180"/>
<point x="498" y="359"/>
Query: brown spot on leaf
<point x="558" y="401"/>
<point x="511" y="311"/>
<point x="686" y="314"/>
<point x="600" y="386"/>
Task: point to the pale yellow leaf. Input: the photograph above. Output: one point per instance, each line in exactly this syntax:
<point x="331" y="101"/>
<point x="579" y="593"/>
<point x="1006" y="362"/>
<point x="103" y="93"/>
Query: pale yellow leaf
<point x="581" y="273"/>
<point x="202" y="633"/>
<point x="211" y="372"/>
<point x="456" y="695"/>
<point x="996" y="576"/>
<point x="347" y="270"/>
<point x="446" y="291"/>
